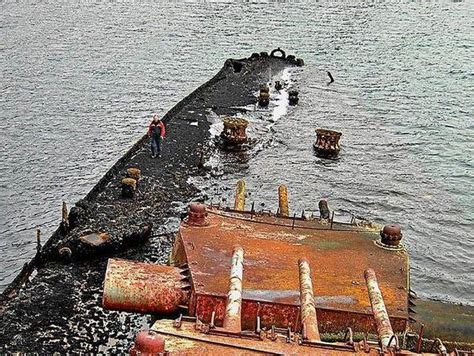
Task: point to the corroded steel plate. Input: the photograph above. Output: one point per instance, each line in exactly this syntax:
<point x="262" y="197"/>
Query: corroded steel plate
<point x="338" y="257"/>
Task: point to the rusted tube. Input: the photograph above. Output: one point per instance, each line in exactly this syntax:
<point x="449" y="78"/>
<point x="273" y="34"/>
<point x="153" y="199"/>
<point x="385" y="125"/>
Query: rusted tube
<point x="240" y="196"/>
<point x="384" y="328"/>
<point x="232" y="318"/>
<point x="283" y="200"/>
<point x="64" y="213"/>
<point x="145" y="288"/>
<point x="308" y="307"/>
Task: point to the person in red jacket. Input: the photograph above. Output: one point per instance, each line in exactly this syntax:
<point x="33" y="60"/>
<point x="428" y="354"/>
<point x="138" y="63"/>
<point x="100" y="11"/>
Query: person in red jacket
<point x="156" y="132"/>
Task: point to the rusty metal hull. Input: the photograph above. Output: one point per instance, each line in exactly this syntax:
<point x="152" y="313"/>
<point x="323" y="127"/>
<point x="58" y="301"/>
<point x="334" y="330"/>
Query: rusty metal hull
<point x="146" y="288"/>
<point x="273" y="245"/>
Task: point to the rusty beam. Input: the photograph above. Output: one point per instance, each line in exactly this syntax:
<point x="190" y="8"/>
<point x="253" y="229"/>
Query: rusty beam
<point x="233" y="310"/>
<point x="308" y="307"/>
<point x="240" y="196"/>
<point x="384" y="328"/>
<point x="283" y="200"/>
<point x="146" y="288"/>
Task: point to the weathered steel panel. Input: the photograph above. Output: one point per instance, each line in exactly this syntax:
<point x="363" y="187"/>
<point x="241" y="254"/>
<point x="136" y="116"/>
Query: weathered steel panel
<point x="273" y="245"/>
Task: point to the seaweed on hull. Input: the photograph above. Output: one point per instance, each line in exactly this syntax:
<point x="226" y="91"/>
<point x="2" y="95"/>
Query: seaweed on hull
<point x="59" y="310"/>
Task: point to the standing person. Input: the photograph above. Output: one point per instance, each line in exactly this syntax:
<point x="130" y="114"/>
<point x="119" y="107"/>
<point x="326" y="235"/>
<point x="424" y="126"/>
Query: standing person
<point x="156" y="132"/>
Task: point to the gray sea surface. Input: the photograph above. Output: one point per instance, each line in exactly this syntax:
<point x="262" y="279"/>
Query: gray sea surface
<point x="79" y="81"/>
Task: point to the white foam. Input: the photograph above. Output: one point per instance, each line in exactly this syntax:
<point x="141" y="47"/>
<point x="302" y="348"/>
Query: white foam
<point x="216" y="123"/>
<point x="281" y="98"/>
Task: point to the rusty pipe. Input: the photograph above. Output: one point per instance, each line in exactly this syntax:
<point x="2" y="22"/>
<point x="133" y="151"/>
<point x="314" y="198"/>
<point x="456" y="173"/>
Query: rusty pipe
<point x="283" y="200"/>
<point x="64" y="213"/>
<point x="145" y="288"/>
<point x="308" y="307"/>
<point x="232" y="317"/>
<point x="240" y="196"/>
<point x="382" y="321"/>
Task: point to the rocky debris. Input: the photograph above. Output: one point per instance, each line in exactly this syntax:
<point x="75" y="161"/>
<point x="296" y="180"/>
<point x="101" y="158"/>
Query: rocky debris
<point x="60" y="309"/>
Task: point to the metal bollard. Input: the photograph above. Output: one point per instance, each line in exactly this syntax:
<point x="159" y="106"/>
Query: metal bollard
<point x="134" y="173"/>
<point x="283" y="200"/>
<point x="232" y="318"/>
<point x="129" y="186"/>
<point x="308" y="307"/>
<point x="197" y="213"/>
<point x="148" y="343"/>
<point x="323" y="209"/>
<point x="384" y="328"/>
<point x="240" y="196"/>
<point x="391" y="235"/>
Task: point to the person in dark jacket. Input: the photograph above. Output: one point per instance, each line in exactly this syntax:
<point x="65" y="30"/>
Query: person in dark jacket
<point x="156" y="132"/>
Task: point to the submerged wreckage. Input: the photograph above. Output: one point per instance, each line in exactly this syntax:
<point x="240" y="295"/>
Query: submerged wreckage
<point x="247" y="282"/>
<point x="238" y="282"/>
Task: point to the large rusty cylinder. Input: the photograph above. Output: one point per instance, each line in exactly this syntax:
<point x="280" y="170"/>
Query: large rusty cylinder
<point x="391" y="235"/>
<point x="146" y="288"/>
<point x="233" y="310"/>
<point x="197" y="214"/>
<point x="283" y="200"/>
<point x="308" y="307"/>
<point x="240" y="196"/>
<point x="382" y="321"/>
<point x="323" y="209"/>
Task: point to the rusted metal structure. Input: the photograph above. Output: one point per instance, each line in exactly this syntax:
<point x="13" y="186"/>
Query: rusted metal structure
<point x="300" y="278"/>
<point x="293" y="97"/>
<point x="264" y="96"/>
<point x="148" y="343"/>
<point x="142" y="288"/>
<point x="327" y="143"/>
<point x="271" y="293"/>
<point x="283" y="209"/>
<point x="240" y="196"/>
<point x="308" y="309"/>
<point x="233" y="309"/>
<point x="234" y="135"/>
<point x="129" y="186"/>
<point x="384" y="329"/>
<point x="134" y="173"/>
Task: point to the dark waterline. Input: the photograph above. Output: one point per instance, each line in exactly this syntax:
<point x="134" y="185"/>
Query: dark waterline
<point x="79" y="82"/>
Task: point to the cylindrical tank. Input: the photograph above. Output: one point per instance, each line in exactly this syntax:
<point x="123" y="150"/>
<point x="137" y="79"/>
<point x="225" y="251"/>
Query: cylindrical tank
<point x="143" y="287"/>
